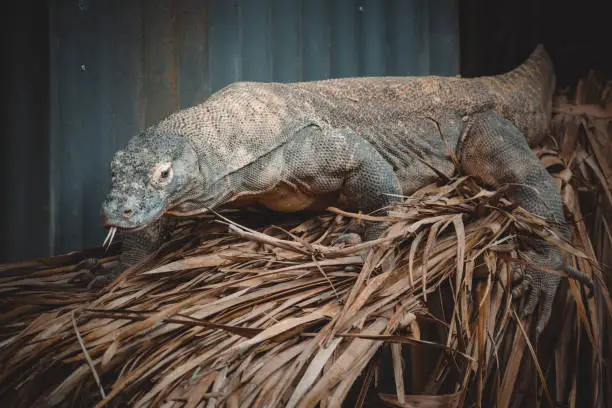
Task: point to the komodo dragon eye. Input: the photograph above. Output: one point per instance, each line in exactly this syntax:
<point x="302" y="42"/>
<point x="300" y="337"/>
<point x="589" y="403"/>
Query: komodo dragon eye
<point x="162" y="174"/>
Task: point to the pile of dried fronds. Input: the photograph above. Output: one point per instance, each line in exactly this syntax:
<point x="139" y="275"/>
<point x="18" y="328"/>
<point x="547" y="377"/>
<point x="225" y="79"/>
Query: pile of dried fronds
<point x="226" y="315"/>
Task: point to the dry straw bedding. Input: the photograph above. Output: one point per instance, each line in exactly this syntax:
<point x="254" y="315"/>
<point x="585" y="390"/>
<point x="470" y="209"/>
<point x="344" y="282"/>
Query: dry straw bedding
<point x="239" y="310"/>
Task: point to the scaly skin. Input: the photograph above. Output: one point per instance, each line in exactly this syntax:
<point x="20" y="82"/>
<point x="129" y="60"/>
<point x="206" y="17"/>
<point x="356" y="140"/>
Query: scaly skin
<point x="353" y="143"/>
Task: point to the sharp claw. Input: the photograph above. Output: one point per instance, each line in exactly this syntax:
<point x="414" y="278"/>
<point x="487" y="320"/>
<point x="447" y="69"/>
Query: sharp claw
<point x="517" y="274"/>
<point x="545" y="312"/>
<point x="88" y="264"/>
<point x="524" y="286"/>
<point x="542" y="321"/>
<point x="581" y="277"/>
<point x="97" y="282"/>
<point x="532" y="302"/>
<point x="520" y="289"/>
<point x="538" y="331"/>
<point x="84" y="275"/>
<point x="103" y="279"/>
<point x="350" y="238"/>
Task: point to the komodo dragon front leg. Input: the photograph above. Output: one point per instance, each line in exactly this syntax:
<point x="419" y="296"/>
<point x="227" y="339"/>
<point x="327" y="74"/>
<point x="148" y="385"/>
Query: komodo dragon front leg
<point x="322" y="166"/>
<point x="496" y="152"/>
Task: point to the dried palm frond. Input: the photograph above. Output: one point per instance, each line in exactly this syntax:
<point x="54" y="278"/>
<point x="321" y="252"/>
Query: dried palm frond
<point x="277" y="315"/>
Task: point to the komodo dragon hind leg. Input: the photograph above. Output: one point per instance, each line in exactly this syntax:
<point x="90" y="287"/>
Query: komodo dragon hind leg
<point x="496" y="152"/>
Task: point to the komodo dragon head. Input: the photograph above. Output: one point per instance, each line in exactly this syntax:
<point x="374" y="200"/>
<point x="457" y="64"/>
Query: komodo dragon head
<point x="181" y="164"/>
<point x="150" y="175"/>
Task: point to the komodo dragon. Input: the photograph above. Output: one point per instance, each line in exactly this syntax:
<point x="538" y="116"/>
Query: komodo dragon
<point x="356" y="143"/>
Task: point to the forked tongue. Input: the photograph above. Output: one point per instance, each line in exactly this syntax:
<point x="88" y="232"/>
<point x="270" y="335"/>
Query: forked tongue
<point x="109" y="237"/>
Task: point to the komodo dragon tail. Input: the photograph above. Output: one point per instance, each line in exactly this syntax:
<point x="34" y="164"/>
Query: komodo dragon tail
<point x="525" y="94"/>
<point x="537" y="74"/>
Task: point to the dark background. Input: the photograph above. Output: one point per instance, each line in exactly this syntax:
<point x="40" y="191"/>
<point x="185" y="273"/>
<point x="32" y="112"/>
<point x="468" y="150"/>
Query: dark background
<point x="45" y="207"/>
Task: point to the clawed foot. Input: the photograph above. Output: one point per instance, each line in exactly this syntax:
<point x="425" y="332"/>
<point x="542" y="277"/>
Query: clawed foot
<point x="540" y="287"/>
<point x="101" y="281"/>
<point x="92" y="272"/>
<point x="355" y="239"/>
<point x="350" y="239"/>
<point x="86" y="270"/>
<point x="580" y="277"/>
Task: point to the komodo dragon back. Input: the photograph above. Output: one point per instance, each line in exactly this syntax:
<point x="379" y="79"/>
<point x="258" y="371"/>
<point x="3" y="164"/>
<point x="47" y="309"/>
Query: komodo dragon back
<point x="247" y="120"/>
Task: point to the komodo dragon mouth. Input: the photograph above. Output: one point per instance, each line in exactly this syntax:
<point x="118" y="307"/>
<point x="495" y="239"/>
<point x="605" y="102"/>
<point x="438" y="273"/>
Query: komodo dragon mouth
<point x="113" y="229"/>
<point x="173" y="209"/>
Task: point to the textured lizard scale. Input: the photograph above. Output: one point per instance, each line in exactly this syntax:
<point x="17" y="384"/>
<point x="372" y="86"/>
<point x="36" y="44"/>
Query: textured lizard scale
<point x="356" y="143"/>
<point x="139" y="245"/>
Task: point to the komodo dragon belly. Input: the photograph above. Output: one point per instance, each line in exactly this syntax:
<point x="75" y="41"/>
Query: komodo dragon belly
<point x="287" y="197"/>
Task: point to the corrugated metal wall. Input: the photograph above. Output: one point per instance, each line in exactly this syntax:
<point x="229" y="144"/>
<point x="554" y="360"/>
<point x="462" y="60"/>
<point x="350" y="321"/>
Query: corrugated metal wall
<point x="120" y="65"/>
